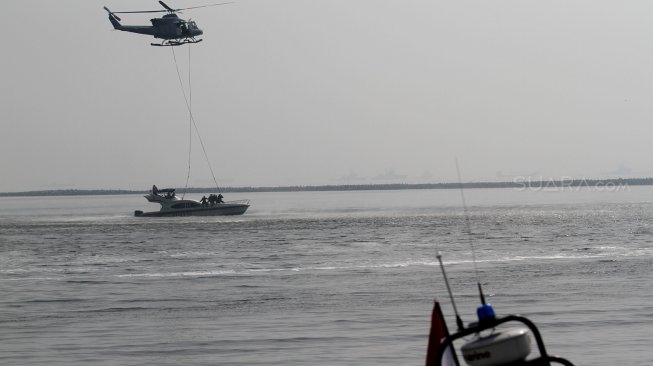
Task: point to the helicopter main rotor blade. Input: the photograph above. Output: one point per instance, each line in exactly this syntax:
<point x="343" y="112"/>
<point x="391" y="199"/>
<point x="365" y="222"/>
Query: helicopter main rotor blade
<point x="204" y="6"/>
<point x="167" y="7"/>
<point x="140" y="11"/>
<point x="192" y="7"/>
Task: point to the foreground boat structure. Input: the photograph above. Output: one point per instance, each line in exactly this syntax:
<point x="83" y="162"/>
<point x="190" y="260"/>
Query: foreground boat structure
<point x="171" y="205"/>
<point x="493" y="345"/>
<point x="492" y="342"/>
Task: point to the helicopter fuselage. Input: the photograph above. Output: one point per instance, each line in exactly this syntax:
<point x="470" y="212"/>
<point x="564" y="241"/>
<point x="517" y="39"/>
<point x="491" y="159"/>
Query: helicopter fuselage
<point x="170" y="26"/>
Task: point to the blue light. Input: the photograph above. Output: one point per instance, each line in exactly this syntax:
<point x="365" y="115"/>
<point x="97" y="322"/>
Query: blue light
<point x="485" y="312"/>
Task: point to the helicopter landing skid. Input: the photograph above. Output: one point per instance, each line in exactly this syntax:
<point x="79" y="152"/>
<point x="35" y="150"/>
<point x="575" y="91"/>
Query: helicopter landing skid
<point x="169" y="43"/>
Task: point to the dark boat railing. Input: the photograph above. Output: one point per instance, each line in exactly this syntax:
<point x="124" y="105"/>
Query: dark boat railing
<point x="543" y="360"/>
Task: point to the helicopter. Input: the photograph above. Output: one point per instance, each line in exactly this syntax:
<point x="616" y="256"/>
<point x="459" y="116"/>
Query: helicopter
<point x="173" y="30"/>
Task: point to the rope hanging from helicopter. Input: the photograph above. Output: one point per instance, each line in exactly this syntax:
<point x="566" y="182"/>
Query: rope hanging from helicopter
<point x="192" y="124"/>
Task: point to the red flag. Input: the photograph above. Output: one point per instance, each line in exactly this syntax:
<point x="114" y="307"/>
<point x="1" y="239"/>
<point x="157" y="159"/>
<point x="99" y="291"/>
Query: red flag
<point x="438" y="333"/>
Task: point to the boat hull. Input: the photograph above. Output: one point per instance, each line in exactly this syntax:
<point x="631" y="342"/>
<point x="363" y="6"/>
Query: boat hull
<point x="223" y="209"/>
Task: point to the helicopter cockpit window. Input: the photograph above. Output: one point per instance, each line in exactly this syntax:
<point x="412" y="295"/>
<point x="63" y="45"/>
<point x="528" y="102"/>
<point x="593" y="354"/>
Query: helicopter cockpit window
<point x="192" y="25"/>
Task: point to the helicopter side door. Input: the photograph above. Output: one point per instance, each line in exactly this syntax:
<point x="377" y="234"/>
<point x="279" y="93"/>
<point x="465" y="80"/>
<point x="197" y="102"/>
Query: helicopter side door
<point x="169" y="27"/>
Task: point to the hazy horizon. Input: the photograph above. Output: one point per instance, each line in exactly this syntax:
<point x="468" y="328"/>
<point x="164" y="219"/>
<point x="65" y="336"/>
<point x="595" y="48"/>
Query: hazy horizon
<point x="296" y="93"/>
<point x="519" y="183"/>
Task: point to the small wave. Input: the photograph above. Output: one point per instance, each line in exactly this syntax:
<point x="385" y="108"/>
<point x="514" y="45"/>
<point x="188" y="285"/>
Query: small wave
<point x="94" y="282"/>
<point x="179" y="274"/>
<point x="47" y="301"/>
<point x="32" y="279"/>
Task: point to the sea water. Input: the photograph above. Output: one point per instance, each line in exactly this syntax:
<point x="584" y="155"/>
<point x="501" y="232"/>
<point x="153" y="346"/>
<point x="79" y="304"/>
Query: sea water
<point x="321" y="278"/>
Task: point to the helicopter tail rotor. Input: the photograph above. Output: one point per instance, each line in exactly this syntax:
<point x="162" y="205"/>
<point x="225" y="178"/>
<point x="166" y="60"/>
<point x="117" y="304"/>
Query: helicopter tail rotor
<point x="113" y="18"/>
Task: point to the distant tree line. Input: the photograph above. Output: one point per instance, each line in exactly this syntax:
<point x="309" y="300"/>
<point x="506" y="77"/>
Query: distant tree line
<point x="358" y="187"/>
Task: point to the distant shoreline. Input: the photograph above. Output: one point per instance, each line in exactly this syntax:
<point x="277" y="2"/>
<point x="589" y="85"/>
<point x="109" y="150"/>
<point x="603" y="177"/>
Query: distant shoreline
<point x="578" y="183"/>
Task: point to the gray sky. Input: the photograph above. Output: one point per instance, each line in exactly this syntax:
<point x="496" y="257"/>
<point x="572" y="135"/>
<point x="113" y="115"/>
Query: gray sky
<point x="303" y="92"/>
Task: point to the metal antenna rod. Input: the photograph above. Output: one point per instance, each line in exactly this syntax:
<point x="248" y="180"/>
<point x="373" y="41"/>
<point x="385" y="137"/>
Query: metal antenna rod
<point x="469" y="234"/>
<point x="459" y="321"/>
